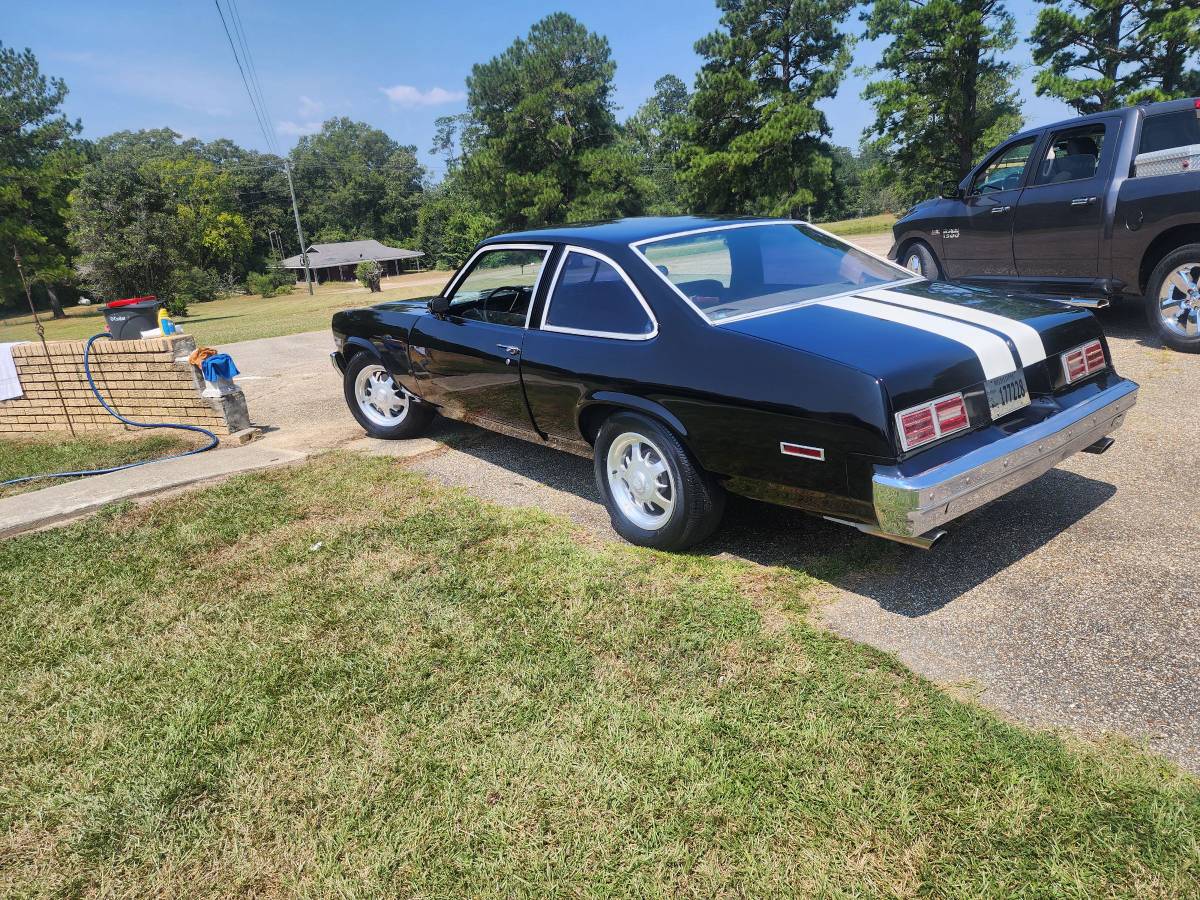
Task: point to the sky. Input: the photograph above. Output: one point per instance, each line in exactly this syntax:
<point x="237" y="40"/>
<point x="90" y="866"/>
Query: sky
<point x="132" y="64"/>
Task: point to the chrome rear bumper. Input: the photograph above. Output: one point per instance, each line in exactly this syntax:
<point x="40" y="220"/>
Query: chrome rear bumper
<point x="910" y="506"/>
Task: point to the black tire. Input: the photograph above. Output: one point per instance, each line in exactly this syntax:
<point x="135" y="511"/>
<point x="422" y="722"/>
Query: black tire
<point x="1177" y="326"/>
<point x="918" y="253"/>
<point x="697" y="500"/>
<point x="409" y="423"/>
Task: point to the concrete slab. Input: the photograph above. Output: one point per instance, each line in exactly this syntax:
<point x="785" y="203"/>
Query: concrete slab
<point x="64" y="502"/>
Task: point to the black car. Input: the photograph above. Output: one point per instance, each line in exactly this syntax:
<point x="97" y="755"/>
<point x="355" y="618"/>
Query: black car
<point x="1099" y="209"/>
<point x="689" y="357"/>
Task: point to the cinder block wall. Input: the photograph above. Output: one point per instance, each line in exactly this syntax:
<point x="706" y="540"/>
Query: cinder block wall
<point x="148" y="381"/>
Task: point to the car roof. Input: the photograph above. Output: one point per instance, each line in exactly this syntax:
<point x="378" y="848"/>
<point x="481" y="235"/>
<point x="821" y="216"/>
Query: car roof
<point x="620" y="232"/>
<point x="1149" y="109"/>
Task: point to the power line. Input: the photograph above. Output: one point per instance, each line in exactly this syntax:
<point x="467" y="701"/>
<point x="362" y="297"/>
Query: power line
<point x="249" y="93"/>
<point x="240" y="31"/>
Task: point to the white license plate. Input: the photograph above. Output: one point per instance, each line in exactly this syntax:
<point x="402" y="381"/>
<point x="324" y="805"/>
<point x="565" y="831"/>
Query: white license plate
<point x="1007" y="394"/>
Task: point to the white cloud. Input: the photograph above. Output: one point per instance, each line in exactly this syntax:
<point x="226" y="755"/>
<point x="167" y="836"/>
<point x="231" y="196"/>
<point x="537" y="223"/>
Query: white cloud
<point x="407" y="95"/>
<point x="310" y="108"/>
<point x="295" y="129"/>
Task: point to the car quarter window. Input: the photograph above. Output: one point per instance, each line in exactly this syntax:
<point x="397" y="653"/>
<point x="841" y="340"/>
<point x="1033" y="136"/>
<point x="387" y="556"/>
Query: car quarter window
<point x="1073" y="154"/>
<point x="592" y="296"/>
<point x="1003" y="171"/>
<point x="499" y="286"/>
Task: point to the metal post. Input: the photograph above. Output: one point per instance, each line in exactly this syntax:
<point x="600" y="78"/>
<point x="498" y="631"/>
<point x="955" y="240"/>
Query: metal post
<point x="299" y="230"/>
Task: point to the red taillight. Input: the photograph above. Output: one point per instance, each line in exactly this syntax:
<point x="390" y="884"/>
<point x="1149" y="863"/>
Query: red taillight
<point x="930" y="421"/>
<point x="1083" y="361"/>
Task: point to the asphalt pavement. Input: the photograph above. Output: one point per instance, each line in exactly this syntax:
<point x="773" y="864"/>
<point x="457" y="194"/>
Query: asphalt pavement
<point x="1070" y="603"/>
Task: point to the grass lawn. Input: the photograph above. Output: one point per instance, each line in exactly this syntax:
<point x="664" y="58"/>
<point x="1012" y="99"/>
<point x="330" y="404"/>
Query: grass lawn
<point x="242" y="317"/>
<point x="21" y="457"/>
<point x="342" y="680"/>
<point x="867" y="225"/>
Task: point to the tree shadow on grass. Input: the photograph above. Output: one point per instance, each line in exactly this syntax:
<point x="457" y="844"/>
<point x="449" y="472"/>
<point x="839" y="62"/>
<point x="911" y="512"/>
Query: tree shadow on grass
<point x="901" y="579"/>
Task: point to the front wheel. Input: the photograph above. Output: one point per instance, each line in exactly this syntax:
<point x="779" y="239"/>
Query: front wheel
<point x="1173" y="299"/>
<point x="380" y="405"/>
<point x="655" y="495"/>
<point x="919" y="260"/>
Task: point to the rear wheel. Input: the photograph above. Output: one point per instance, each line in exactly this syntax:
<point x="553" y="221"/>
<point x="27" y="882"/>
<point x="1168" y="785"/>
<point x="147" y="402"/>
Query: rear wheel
<point x="655" y="495"/>
<point x="1173" y="299"/>
<point x="380" y="405"/>
<point x="919" y="259"/>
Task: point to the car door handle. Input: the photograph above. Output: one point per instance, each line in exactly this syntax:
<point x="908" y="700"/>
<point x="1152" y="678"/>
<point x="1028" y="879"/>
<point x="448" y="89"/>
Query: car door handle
<point x="1083" y="201"/>
<point x="510" y="349"/>
<point x="1000" y="210"/>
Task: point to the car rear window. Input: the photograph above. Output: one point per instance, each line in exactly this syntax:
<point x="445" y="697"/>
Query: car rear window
<point x="739" y="271"/>
<point x="1169" y="130"/>
<point x="590" y="296"/>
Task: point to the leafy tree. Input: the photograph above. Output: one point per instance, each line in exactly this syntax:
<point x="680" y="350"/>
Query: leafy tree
<point x="655" y="133"/>
<point x="948" y="95"/>
<point x="39" y="163"/>
<point x="451" y="223"/>
<point x="541" y="122"/>
<point x="152" y="216"/>
<point x="369" y="272"/>
<point x="1101" y="54"/>
<point x="757" y="140"/>
<point x="354" y="182"/>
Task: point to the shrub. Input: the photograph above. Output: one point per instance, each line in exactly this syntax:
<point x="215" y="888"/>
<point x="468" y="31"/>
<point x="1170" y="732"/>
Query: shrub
<point x="368" y="272"/>
<point x="272" y="283"/>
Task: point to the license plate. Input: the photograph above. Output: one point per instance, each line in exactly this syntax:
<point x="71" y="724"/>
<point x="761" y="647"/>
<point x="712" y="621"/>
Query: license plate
<point x="1007" y="394"/>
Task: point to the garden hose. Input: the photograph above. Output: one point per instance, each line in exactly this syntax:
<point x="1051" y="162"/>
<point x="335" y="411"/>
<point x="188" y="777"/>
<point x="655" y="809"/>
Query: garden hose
<point x="87" y="369"/>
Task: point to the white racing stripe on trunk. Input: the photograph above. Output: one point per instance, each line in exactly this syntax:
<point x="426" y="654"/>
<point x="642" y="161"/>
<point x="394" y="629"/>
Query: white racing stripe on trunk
<point x="1028" y="340"/>
<point x="993" y="353"/>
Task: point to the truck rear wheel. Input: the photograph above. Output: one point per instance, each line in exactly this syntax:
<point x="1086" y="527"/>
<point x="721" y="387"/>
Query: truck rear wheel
<point x="1173" y="299"/>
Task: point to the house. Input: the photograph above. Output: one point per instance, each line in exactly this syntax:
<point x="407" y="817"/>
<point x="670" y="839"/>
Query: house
<point x="337" y="262"/>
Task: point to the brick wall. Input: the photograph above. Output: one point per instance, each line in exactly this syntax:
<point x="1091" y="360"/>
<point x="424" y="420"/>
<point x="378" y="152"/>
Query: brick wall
<point x="148" y="381"/>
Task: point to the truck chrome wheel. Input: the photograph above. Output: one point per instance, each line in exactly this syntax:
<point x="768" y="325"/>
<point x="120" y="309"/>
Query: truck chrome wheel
<point x="380" y="399"/>
<point x="914" y="264"/>
<point x="1179" y="300"/>
<point x="640" y="481"/>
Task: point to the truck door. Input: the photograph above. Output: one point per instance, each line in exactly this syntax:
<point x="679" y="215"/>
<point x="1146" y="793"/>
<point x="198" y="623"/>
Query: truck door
<point x="1060" y="215"/>
<point x="978" y="241"/>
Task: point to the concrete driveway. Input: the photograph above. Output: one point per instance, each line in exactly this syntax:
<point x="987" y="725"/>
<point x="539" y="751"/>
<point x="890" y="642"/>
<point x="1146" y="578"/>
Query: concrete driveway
<point x="1072" y="602"/>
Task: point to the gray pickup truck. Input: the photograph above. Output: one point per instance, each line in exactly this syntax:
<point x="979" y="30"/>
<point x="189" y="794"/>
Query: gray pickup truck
<point x="1103" y="208"/>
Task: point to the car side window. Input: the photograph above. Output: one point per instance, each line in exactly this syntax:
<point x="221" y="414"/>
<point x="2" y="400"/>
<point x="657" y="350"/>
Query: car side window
<point x="1003" y="172"/>
<point x="1170" y="130"/>
<point x="592" y="296"/>
<point x="1073" y="155"/>
<point x="499" y="287"/>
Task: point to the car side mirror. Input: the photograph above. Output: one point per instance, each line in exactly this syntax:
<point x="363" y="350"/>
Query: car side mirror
<point x="439" y="305"/>
<point x="951" y="190"/>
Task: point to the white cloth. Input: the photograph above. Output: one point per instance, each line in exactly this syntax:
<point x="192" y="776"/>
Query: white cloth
<point x="10" y="382"/>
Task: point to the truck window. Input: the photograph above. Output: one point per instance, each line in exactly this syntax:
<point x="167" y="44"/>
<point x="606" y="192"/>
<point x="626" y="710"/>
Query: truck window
<point x="1074" y="154"/>
<point x="1168" y="130"/>
<point x="1003" y="173"/>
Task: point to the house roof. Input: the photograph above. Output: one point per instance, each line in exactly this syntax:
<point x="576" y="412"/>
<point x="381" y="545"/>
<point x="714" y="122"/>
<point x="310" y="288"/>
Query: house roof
<point x="345" y="253"/>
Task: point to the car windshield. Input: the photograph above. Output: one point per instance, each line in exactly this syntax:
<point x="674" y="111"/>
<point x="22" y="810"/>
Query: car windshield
<point x="743" y="271"/>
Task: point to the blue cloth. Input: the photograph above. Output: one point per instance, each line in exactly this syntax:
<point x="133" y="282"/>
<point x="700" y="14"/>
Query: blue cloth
<point x="218" y="367"/>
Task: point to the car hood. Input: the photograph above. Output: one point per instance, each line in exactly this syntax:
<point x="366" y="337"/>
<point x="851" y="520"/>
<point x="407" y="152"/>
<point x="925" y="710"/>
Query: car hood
<point x="926" y="339"/>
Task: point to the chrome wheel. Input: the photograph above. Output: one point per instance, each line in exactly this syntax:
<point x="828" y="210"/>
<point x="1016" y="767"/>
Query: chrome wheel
<point x="914" y="264"/>
<point x="640" y="481"/>
<point x="379" y="398"/>
<point x="1179" y="300"/>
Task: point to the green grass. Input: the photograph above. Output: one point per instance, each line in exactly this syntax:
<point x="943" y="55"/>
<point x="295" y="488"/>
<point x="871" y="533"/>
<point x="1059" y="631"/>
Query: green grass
<point x="868" y="225"/>
<point x="340" y="680"/>
<point x="21" y="457"/>
<point x="242" y="316"/>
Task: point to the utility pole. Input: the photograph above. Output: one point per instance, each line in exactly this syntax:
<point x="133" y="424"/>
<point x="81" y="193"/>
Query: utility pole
<point x="299" y="231"/>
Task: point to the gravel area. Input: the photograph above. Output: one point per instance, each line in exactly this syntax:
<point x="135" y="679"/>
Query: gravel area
<point x="1069" y="603"/>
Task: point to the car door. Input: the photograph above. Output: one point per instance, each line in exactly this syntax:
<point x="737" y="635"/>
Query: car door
<point x="978" y="240"/>
<point x="467" y="361"/>
<point x="594" y="320"/>
<point x="1061" y="211"/>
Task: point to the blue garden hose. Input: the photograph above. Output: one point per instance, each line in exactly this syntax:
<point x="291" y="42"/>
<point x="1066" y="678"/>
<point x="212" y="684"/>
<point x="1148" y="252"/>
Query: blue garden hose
<point x="87" y="369"/>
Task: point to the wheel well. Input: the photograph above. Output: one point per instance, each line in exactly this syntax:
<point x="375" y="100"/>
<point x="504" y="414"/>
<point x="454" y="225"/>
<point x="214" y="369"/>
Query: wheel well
<point x="593" y="417"/>
<point x="1161" y="246"/>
